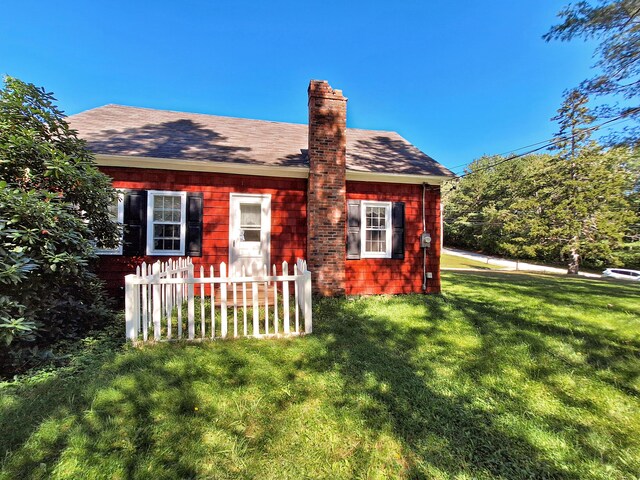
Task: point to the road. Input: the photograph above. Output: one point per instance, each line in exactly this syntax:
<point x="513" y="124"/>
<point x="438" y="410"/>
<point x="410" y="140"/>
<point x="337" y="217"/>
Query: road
<point x="512" y="264"/>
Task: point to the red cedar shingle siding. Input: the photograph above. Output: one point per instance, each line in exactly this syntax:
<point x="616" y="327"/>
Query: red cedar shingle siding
<point x="288" y="214"/>
<point x="288" y="230"/>
<point x="376" y="276"/>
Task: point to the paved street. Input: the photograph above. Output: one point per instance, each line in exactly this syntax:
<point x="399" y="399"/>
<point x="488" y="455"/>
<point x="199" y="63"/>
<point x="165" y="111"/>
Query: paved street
<point x="511" y="264"/>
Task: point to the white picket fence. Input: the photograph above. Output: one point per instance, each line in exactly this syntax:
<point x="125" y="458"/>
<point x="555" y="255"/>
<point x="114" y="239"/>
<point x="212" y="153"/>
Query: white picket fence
<point x="160" y="301"/>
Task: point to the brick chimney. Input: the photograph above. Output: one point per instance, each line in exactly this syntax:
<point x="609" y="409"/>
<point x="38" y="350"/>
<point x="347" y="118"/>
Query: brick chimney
<point x="326" y="195"/>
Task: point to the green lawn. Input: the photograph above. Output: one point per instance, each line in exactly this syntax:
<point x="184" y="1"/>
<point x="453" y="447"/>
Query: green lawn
<point x="503" y="376"/>
<point x="454" y="261"/>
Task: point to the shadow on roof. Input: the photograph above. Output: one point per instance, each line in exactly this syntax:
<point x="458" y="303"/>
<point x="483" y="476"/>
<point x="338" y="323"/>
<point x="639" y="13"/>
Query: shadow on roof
<point x="179" y="139"/>
<point x="386" y="154"/>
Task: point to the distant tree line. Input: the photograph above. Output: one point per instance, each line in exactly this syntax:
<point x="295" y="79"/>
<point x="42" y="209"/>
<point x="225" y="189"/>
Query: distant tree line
<point x="526" y="208"/>
<point x="577" y="204"/>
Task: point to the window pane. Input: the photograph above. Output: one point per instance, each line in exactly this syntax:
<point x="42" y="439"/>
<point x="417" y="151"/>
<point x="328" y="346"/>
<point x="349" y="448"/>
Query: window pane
<point x="250" y="214"/>
<point x="167" y="217"/>
<point x="376" y="218"/>
<point x="251" y="235"/>
<point x="376" y="241"/>
<point x="166" y="208"/>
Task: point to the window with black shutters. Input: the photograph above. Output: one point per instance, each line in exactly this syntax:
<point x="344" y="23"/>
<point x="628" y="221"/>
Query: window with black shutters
<point x="162" y="223"/>
<point x="375" y="229"/>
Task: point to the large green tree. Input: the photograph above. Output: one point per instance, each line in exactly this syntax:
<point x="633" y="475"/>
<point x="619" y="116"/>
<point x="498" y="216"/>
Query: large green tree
<point x="570" y="206"/>
<point x="615" y="25"/>
<point x="54" y="207"/>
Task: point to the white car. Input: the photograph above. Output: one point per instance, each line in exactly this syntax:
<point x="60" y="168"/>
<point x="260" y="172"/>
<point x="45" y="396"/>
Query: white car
<point x="622" y="273"/>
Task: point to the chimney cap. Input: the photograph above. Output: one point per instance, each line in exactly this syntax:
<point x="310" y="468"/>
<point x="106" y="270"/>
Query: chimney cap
<point x="322" y="89"/>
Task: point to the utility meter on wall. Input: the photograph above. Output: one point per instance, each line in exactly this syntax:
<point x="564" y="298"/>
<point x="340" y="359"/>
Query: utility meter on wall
<point x="425" y="240"/>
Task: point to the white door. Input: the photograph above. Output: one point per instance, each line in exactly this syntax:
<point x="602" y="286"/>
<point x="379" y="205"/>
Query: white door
<point x="249" y="232"/>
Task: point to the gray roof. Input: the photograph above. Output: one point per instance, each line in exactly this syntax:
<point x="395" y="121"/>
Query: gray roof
<point x="143" y="132"/>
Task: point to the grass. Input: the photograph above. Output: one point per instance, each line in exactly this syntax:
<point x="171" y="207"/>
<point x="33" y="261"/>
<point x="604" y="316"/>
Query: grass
<point x="503" y="376"/>
<point x="454" y="261"/>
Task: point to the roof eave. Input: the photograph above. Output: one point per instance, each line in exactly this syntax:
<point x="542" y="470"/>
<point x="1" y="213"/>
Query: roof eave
<point x="130" y="161"/>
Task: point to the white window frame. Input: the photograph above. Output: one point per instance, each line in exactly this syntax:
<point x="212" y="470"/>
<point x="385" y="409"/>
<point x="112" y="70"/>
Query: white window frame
<point x="151" y="194"/>
<point x="363" y="229"/>
<point x="120" y="220"/>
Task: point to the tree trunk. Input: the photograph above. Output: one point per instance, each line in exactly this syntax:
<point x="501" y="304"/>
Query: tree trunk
<point x="574" y="264"/>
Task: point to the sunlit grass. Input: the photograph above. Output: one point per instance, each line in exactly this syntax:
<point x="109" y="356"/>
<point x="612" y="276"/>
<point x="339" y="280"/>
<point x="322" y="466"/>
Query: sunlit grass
<point x="503" y="376"/>
<point x="454" y="261"/>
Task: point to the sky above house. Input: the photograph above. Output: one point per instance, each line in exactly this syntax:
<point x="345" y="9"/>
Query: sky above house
<point x="457" y="79"/>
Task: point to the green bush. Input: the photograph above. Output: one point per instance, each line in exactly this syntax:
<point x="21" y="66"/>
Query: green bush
<point x="629" y="256"/>
<point x="47" y="291"/>
<point x="54" y="207"/>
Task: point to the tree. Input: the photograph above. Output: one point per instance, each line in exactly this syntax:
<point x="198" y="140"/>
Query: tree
<point x="54" y="207"/>
<point x="574" y="205"/>
<point x="616" y="24"/>
<point x="579" y="210"/>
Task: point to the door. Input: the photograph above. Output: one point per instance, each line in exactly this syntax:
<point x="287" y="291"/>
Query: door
<point x="249" y="233"/>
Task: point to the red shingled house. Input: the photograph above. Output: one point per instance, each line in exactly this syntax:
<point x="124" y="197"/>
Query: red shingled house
<point x="354" y="203"/>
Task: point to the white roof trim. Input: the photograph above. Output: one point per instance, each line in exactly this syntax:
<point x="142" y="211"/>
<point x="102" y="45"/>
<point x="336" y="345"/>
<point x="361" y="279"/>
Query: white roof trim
<point x="201" y="166"/>
<point x="395" y="177"/>
<point x="104" y="160"/>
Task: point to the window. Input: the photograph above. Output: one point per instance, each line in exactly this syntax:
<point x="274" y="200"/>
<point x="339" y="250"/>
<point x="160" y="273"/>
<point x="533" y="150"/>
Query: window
<point x="250" y="222"/>
<point x="166" y="223"/>
<point x="116" y="212"/>
<point x="376" y="229"/>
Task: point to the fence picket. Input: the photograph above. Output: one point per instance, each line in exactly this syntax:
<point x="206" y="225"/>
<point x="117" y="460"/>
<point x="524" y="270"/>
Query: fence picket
<point x="179" y="294"/>
<point x="213" y="304"/>
<point x="266" y="303"/>
<point x="191" y="308"/>
<point x="223" y="300"/>
<point x="308" y="312"/>
<point x="235" y="309"/>
<point x="244" y="301"/>
<point x="129" y="312"/>
<point x="168" y="289"/>
<point x="275" y="301"/>
<point x="157" y="301"/>
<point x="145" y="303"/>
<point x="202" y="313"/>
<point x="296" y="296"/>
<point x="285" y="298"/>
<point x="256" y="311"/>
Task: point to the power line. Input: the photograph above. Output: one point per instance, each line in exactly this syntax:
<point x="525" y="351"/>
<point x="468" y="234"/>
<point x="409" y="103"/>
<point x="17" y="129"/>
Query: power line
<point x="550" y="142"/>
<point x="553" y="142"/>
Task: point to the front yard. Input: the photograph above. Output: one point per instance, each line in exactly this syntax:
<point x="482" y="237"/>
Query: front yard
<point x="504" y="376"/>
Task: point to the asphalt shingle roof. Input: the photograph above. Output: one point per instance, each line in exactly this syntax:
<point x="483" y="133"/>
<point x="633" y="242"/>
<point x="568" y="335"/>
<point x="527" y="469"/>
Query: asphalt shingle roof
<point x="143" y="132"/>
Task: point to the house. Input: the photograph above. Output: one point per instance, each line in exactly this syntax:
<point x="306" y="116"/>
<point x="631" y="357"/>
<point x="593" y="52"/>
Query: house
<point x="254" y="193"/>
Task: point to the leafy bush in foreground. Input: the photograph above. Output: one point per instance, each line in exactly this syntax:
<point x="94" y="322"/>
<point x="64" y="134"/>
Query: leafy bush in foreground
<point x="54" y="207"/>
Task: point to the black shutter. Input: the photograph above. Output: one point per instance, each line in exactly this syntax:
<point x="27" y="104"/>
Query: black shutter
<point x="134" y="240"/>
<point x="397" y="237"/>
<point x="353" y="229"/>
<point x="194" y="225"/>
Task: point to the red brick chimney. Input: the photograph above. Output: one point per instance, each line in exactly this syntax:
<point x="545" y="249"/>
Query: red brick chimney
<point x="326" y="195"/>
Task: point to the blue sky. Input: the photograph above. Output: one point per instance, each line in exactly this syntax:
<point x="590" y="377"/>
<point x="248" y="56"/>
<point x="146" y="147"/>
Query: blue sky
<point x="457" y="79"/>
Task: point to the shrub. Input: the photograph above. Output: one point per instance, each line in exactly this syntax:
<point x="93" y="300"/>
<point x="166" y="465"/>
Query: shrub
<point x="54" y="207"/>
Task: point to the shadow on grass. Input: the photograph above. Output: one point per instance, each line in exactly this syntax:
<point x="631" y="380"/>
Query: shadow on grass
<point x="167" y="411"/>
<point x="103" y="416"/>
<point x="446" y="431"/>
<point x="445" y="375"/>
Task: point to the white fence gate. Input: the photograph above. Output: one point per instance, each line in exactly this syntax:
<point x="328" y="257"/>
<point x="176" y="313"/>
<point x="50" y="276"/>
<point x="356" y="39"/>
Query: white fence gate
<point x="160" y="302"/>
